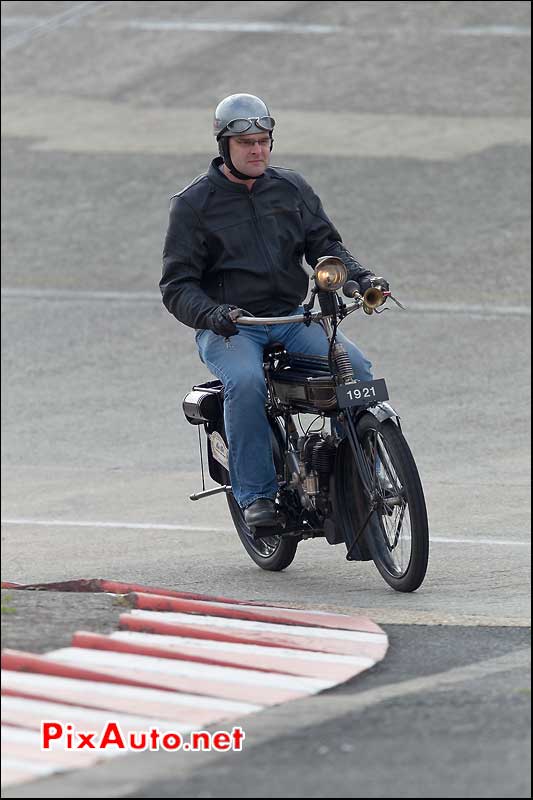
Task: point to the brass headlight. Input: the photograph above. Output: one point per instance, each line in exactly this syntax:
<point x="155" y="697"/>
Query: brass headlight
<point x="330" y="273"/>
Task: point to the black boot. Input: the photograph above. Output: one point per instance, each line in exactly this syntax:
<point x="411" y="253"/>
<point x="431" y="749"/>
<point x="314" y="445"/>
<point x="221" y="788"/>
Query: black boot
<point x="261" y="513"/>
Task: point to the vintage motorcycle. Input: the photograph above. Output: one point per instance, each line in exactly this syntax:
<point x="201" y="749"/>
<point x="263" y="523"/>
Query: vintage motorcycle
<point x="357" y="483"/>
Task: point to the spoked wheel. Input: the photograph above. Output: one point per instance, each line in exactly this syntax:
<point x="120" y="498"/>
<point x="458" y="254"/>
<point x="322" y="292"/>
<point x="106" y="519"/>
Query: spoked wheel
<point x="396" y="535"/>
<point x="272" y="553"/>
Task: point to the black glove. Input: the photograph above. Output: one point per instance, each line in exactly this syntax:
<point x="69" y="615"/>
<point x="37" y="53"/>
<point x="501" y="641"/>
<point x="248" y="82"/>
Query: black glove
<point x="220" y="321"/>
<point x="367" y="281"/>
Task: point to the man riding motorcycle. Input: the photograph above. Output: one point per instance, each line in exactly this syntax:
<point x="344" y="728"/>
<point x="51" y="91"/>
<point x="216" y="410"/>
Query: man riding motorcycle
<point x="235" y="240"/>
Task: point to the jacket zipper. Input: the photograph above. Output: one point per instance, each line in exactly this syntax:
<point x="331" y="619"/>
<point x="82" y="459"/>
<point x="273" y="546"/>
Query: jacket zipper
<point x="261" y="238"/>
<point x="222" y="288"/>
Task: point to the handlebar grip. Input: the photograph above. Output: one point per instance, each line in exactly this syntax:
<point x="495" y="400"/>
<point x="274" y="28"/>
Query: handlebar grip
<point x="351" y="289"/>
<point x="235" y="313"/>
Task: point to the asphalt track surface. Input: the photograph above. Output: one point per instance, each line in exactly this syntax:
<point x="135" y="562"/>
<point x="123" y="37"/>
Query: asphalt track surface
<point x="411" y="120"/>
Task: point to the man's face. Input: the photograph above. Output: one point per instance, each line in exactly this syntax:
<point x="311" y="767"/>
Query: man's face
<point x="250" y="153"/>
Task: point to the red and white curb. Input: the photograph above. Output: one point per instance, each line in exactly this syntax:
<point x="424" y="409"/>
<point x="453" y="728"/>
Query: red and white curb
<point x="181" y="662"/>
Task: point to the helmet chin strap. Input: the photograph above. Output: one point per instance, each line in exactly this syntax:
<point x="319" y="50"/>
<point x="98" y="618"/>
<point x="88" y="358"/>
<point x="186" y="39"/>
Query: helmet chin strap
<point x="223" y="149"/>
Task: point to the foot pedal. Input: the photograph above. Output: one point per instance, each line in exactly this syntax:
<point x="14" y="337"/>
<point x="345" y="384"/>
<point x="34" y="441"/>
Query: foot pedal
<point x="264" y="531"/>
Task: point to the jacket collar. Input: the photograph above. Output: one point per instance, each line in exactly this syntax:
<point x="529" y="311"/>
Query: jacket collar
<point x="219" y="179"/>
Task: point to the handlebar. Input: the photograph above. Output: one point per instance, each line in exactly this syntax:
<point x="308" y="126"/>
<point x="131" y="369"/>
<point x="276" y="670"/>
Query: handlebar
<point x="369" y="302"/>
<point x="314" y="316"/>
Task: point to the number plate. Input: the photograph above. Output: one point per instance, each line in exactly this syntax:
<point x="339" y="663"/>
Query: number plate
<point x="361" y="393"/>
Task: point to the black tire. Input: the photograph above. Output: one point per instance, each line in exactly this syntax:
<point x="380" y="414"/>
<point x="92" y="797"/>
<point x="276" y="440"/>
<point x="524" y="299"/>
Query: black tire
<point x="273" y="553"/>
<point x="396" y="537"/>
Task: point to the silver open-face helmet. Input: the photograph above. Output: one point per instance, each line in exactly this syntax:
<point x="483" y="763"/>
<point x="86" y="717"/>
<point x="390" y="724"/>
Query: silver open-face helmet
<point x="236" y="115"/>
<point x="242" y="113"/>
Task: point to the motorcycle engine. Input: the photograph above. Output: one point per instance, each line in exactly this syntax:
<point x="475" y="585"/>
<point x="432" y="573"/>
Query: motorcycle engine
<point x="317" y="454"/>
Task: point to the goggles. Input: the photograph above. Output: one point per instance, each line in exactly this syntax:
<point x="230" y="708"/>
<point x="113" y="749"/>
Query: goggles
<point x="241" y="125"/>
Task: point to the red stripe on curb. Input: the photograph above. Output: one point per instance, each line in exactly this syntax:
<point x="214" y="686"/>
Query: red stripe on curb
<point x="271" y="664"/>
<point x="115" y="587"/>
<point x="275" y="616"/>
<point x="266" y="639"/>
<point x="19" y="661"/>
<point x="299" y="663"/>
<point x="95" y="641"/>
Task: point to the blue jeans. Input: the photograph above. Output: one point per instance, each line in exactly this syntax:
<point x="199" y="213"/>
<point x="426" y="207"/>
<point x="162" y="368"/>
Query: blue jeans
<point x="237" y="362"/>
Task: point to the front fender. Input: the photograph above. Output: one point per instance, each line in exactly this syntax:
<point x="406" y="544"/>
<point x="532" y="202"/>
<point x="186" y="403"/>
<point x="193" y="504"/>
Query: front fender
<point x="383" y="411"/>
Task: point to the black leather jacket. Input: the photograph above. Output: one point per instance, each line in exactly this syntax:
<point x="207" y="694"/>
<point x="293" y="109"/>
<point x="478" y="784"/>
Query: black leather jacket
<point x="226" y="244"/>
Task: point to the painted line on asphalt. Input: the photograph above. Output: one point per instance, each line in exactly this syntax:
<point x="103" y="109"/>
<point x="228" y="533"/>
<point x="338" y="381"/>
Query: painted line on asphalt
<point x="452" y="540"/>
<point x="35" y="293"/>
<point x="141" y="526"/>
<point x="220" y="26"/>
<point x="154" y="297"/>
<point x="157" y="526"/>
<point x="491" y="30"/>
<point x="49" y="24"/>
<point x="46" y="24"/>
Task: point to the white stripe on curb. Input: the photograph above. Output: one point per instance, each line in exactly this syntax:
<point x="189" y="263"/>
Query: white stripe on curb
<point x="99" y="693"/>
<point x="249" y="626"/>
<point x="213" y="646"/>
<point x="191" y="669"/>
<point x="31" y="713"/>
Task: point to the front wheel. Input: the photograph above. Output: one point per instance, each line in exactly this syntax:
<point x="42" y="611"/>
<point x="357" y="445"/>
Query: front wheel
<point x="396" y="534"/>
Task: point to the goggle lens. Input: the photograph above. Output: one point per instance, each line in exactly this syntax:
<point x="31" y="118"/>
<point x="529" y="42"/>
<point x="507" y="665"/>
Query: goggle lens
<point x="243" y="125"/>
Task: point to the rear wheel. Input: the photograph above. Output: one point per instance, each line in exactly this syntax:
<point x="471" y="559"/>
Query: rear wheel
<point x="273" y="553"/>
<point x="396" y="535"/>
